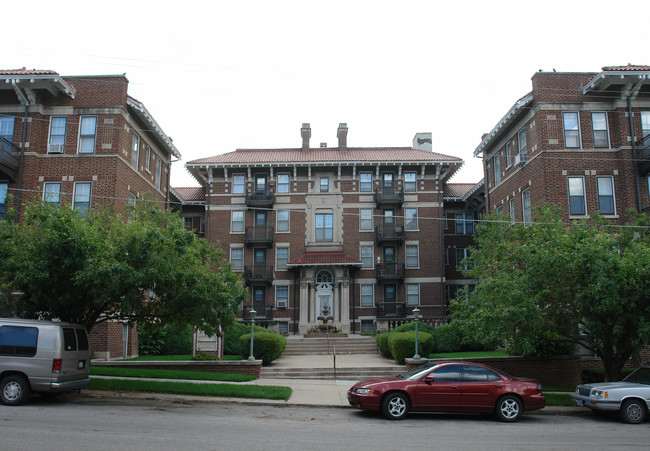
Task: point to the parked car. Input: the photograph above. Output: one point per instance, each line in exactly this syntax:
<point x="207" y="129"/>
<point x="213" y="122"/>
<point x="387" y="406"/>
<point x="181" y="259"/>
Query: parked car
<point x="630" y="397"/>
<point x="47" y="357"/>
<point x="449" y="387"/>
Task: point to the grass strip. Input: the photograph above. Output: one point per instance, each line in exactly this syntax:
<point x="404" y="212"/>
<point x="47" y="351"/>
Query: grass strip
<point x="550" y="388"/>
<point x="557" y="399"/>
<point x="468" y="354"/>
<point x="169" y="374"/>
<point x="177" y="388"/>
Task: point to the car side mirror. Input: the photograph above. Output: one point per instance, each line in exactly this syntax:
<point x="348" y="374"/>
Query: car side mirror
<point x="429" y="379"/>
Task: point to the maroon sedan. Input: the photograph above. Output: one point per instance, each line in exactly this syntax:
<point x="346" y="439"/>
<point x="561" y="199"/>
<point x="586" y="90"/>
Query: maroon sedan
<point x="449" y="387"/>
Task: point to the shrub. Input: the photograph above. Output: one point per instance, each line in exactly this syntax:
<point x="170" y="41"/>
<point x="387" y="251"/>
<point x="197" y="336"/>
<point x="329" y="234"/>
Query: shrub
<point x="382" y="344"/>
<point x="231" y="338"/>
<point x="171" y="339"/>
<point x="200" y="355"/>
<point x="267" y="346"/>
<point x="422" y="327"/>
<point x="402" y="344"/>
<point x="447" y="338"/>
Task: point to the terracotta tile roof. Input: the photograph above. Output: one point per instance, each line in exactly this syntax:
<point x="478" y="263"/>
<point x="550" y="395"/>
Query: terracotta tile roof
<point x="324" y="258"/>
<point x="191" y="194"/>
<point x="630" y="67"/>
<point x="24" y="71"/>
<point x="334" y="155"/>
<point x="457" y="189"/>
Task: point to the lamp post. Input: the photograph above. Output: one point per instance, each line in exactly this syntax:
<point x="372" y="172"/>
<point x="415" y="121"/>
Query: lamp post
<point x="416" y="314"/>
<point x="253" y="312"/>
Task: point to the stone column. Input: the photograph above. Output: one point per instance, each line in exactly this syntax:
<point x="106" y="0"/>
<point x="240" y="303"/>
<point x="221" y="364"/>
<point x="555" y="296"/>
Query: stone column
<point x="345" y="306"/>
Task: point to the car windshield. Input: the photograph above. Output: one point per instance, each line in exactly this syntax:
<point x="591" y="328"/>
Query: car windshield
<point x="640" y="376"/>
<point x="417" y="373"/>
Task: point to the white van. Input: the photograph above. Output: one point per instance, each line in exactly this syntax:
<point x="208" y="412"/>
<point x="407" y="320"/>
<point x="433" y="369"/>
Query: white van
<point x="46" y="357"/>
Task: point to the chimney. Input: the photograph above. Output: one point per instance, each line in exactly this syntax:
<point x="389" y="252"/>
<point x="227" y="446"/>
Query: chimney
<point x="342" y="135"/>
<point x="423" y="141"/>
<point x="305" y="132"/>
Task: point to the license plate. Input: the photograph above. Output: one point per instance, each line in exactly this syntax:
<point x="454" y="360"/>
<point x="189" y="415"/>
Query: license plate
<point x="81" y="365"/>
<point x="579" y="402"/>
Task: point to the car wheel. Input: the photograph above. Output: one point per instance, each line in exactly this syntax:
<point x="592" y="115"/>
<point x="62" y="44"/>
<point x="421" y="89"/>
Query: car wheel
<point x="509" y="408"/>
<point x="14" y="390"/>
<point x="633" y="411"/>
<point x="395" y="406"/>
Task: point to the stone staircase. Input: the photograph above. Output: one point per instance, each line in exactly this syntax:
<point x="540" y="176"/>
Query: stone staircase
<point x="321" y="346"/>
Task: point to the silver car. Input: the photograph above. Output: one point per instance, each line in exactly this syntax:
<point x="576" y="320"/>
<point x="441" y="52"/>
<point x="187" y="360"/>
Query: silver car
<point x="630" y="397"/>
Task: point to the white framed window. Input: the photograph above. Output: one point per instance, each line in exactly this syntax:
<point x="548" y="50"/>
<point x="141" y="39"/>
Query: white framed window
<point x="56" y="143"/>
<point x="158" y="173"/>
<point x="237" y="258"/>
<point x="365" y="218"/>
<point x="135" y="150"/>
<point x="52" y="193"/>
<point x="281" y="258"/>
<point x="367" y="325"/>
<point x="577" y="201"/>
<point x="147" y="161"/>
<point x="367" y="254"/>
<point x="365" y="182"/>
<point x="132" y="200"/>
<point x="521" y="141"/>
<point x="281" y="296"/>
<point x="282" y="221"/>
<point x="410" y="219"/>
<point x="499" y="209"/>
<point x="606" y="200"/>
<point x="237" y="221"/>
<point x="461" y="254"/>
<point x="238" y="184"/>
<point x="7" y="127"/>
<point x="645" y="124"/>
<point x="412" y="256"/>
<point x="412" y="294"/>
<point x="571" y="130"/>
<point x="324" y="184"/>
<point x="283" y="183"/>
<point x="188" y="223"/>
<point x="526" y="208"/>
<point x="324" y="227"/>
<point x="508" y="155"/>
<point x="511" y="206"/>
<point x="410" y="182"/>
<point x="81" y="196"/>
<point x="367" y="295"/>
<point x="464" y="223"/>
<point x="600" y="128"/>
<point x="87" y="133"/>
<point x="496" y="162"/>
<point x="283" y="327"/>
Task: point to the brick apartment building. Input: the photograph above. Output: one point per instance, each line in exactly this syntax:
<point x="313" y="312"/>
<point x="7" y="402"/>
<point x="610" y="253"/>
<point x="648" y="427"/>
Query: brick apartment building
<point x="356" y="236"/>
<point x="580" y="141"/>
<point x="81" y="141"/>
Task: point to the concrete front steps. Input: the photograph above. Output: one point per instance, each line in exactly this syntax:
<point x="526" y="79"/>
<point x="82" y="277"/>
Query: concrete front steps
<point x="351" y="374"/>
<point x="319" y="346"/>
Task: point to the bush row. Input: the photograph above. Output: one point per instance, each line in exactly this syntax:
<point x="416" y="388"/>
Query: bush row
<point x="267" y="345"/>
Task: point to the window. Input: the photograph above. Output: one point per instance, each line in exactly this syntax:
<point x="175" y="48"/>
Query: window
<point x="645" y="124"/>
<point x="202" y="224"/>
<point x="464" y="223"/>
<point x="577" y="204"/>
<point x="283" y="328"/>
<point x="497" y="169"/>
<point x="281" y="296"/>
<point x="365" y="182"/>
<point x="187" y="222"/>
<point x="324" y="227"/>
<point x="447" y="374"/>
<point x="446" y="256"/>
<point x="135" y="150"/>
<point x="147" y="163"/>
<point x="412" y="294"/>
<point x="238" y="182"/>
<point x="367" y="295"/>
<point x="410" y="182"/>
<point x="412" y="256"/>
<point x="601" y="131"/>
<point x="281" y="257"/>
<point x="521" y="140"/>
<point x="606" y="203"/>
<point x="4" y="188"/>
<point x="237" y="221"/>
<point x="283" y="183"/>
<point x="365" y="219"/>
<point x="18" y="341"/>
<point x="237" y="258"/>
<point x="499" y="210"/>
<point x="508" y="156"/>
<point x="158" y="174"/>
<point x="571" y="130"/>
<point x="57" y="135"/>
<point x="7" y="128"/>
<point x="410" y="219"/>
<point x="324" y="184"/>
<point x="479" y="374"/>
<point x="282" y="221"/>
<point x="367" y="325"/>
<point x="461" y="254"/>
<point x="131" y="202"/>
<point x="512" y="210"/>
<point x="367" y="256"/>
<point x="82" y="198"/>
<point x="52" y="193"/>
<point x="526" y="207"/>
<point x="87" y="131"/>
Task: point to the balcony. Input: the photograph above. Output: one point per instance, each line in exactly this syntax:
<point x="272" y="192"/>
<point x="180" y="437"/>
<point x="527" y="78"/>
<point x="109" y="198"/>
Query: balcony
<point x="8" y="160"/>
<point x="390" y="272"/>
<point x="643" y="155"/>
<point x="389" y="234"/>
<point x="388" y="197"/>
<point x="261" y="312"/>
<point x="258" y="274"/>
<point x="258" y="236"/>
<point x="391" y="310"/>
<point x="260" y="199"/>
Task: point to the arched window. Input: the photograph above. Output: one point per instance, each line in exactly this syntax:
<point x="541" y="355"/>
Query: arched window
<point x="324" y="276"/>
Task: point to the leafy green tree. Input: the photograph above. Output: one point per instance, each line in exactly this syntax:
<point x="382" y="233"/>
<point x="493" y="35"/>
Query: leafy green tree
<point x="145" y="268"/>
<point x="584" y="283"/>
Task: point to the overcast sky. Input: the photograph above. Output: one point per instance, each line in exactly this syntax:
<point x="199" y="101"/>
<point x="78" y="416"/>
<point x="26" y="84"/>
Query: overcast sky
<point x="223" y="75"/>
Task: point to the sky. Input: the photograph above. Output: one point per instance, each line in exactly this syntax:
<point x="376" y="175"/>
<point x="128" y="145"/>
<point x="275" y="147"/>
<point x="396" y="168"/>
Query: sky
<point x="222" y="75"/>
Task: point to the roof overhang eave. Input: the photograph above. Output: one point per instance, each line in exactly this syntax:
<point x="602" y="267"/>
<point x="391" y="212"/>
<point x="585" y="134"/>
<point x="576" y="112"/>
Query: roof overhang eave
<point x="144" y="115"/>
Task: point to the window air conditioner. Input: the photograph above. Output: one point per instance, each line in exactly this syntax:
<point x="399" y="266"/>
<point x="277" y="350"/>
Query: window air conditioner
<point x="55" y="148"/>
<point x="282" y="304"/>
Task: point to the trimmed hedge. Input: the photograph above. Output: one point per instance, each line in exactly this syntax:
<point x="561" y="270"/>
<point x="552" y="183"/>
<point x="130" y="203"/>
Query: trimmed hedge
<point x="447" y="338"/>
<point x="231" y="338"/>
<point x="382" y="345"/>
<point x="402" y="344"/>
<point x="267" y="346"/>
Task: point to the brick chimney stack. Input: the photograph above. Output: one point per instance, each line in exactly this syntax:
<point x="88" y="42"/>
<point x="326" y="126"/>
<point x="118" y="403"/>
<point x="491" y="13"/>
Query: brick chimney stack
<point x="305" y="132"/>
<point x="342" y="135"/>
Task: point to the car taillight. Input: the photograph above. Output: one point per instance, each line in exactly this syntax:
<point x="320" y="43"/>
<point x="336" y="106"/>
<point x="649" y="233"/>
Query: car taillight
<point x="56" y="366"/>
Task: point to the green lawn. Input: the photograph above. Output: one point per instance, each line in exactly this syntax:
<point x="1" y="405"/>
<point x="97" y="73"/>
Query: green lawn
<point x="468" y="354"/>
<point x="169" y="374"/>
<point x="556" y="399"/>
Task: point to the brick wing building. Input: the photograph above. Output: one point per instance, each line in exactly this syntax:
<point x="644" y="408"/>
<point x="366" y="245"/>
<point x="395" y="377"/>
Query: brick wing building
<point x="79" y="142"/>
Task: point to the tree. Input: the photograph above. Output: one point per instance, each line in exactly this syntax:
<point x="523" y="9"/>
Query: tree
<point x="144" y="268"/>
<point x="584" y="283"/>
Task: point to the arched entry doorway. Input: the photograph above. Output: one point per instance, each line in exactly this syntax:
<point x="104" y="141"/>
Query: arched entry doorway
<point x="324" y="293"/>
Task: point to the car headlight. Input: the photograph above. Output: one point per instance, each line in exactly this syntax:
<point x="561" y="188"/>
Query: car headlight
<point x="599" y="394"/>
<point x="364" y="391"/>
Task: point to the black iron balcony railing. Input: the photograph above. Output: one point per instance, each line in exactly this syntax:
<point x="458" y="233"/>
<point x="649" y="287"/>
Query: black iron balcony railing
<point x="259" y="236"/>
<point x="389" y="233"/>
<point x="385" y="197"/>
<point x="643" y="155"/>
<point x="391" y="310"/>
<point x="260" y="199"/>
<point x="390" y="272"/>
<point x="261" y="312"/>
<point x="8" y="160"/>
<point x="258" y="273"/>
